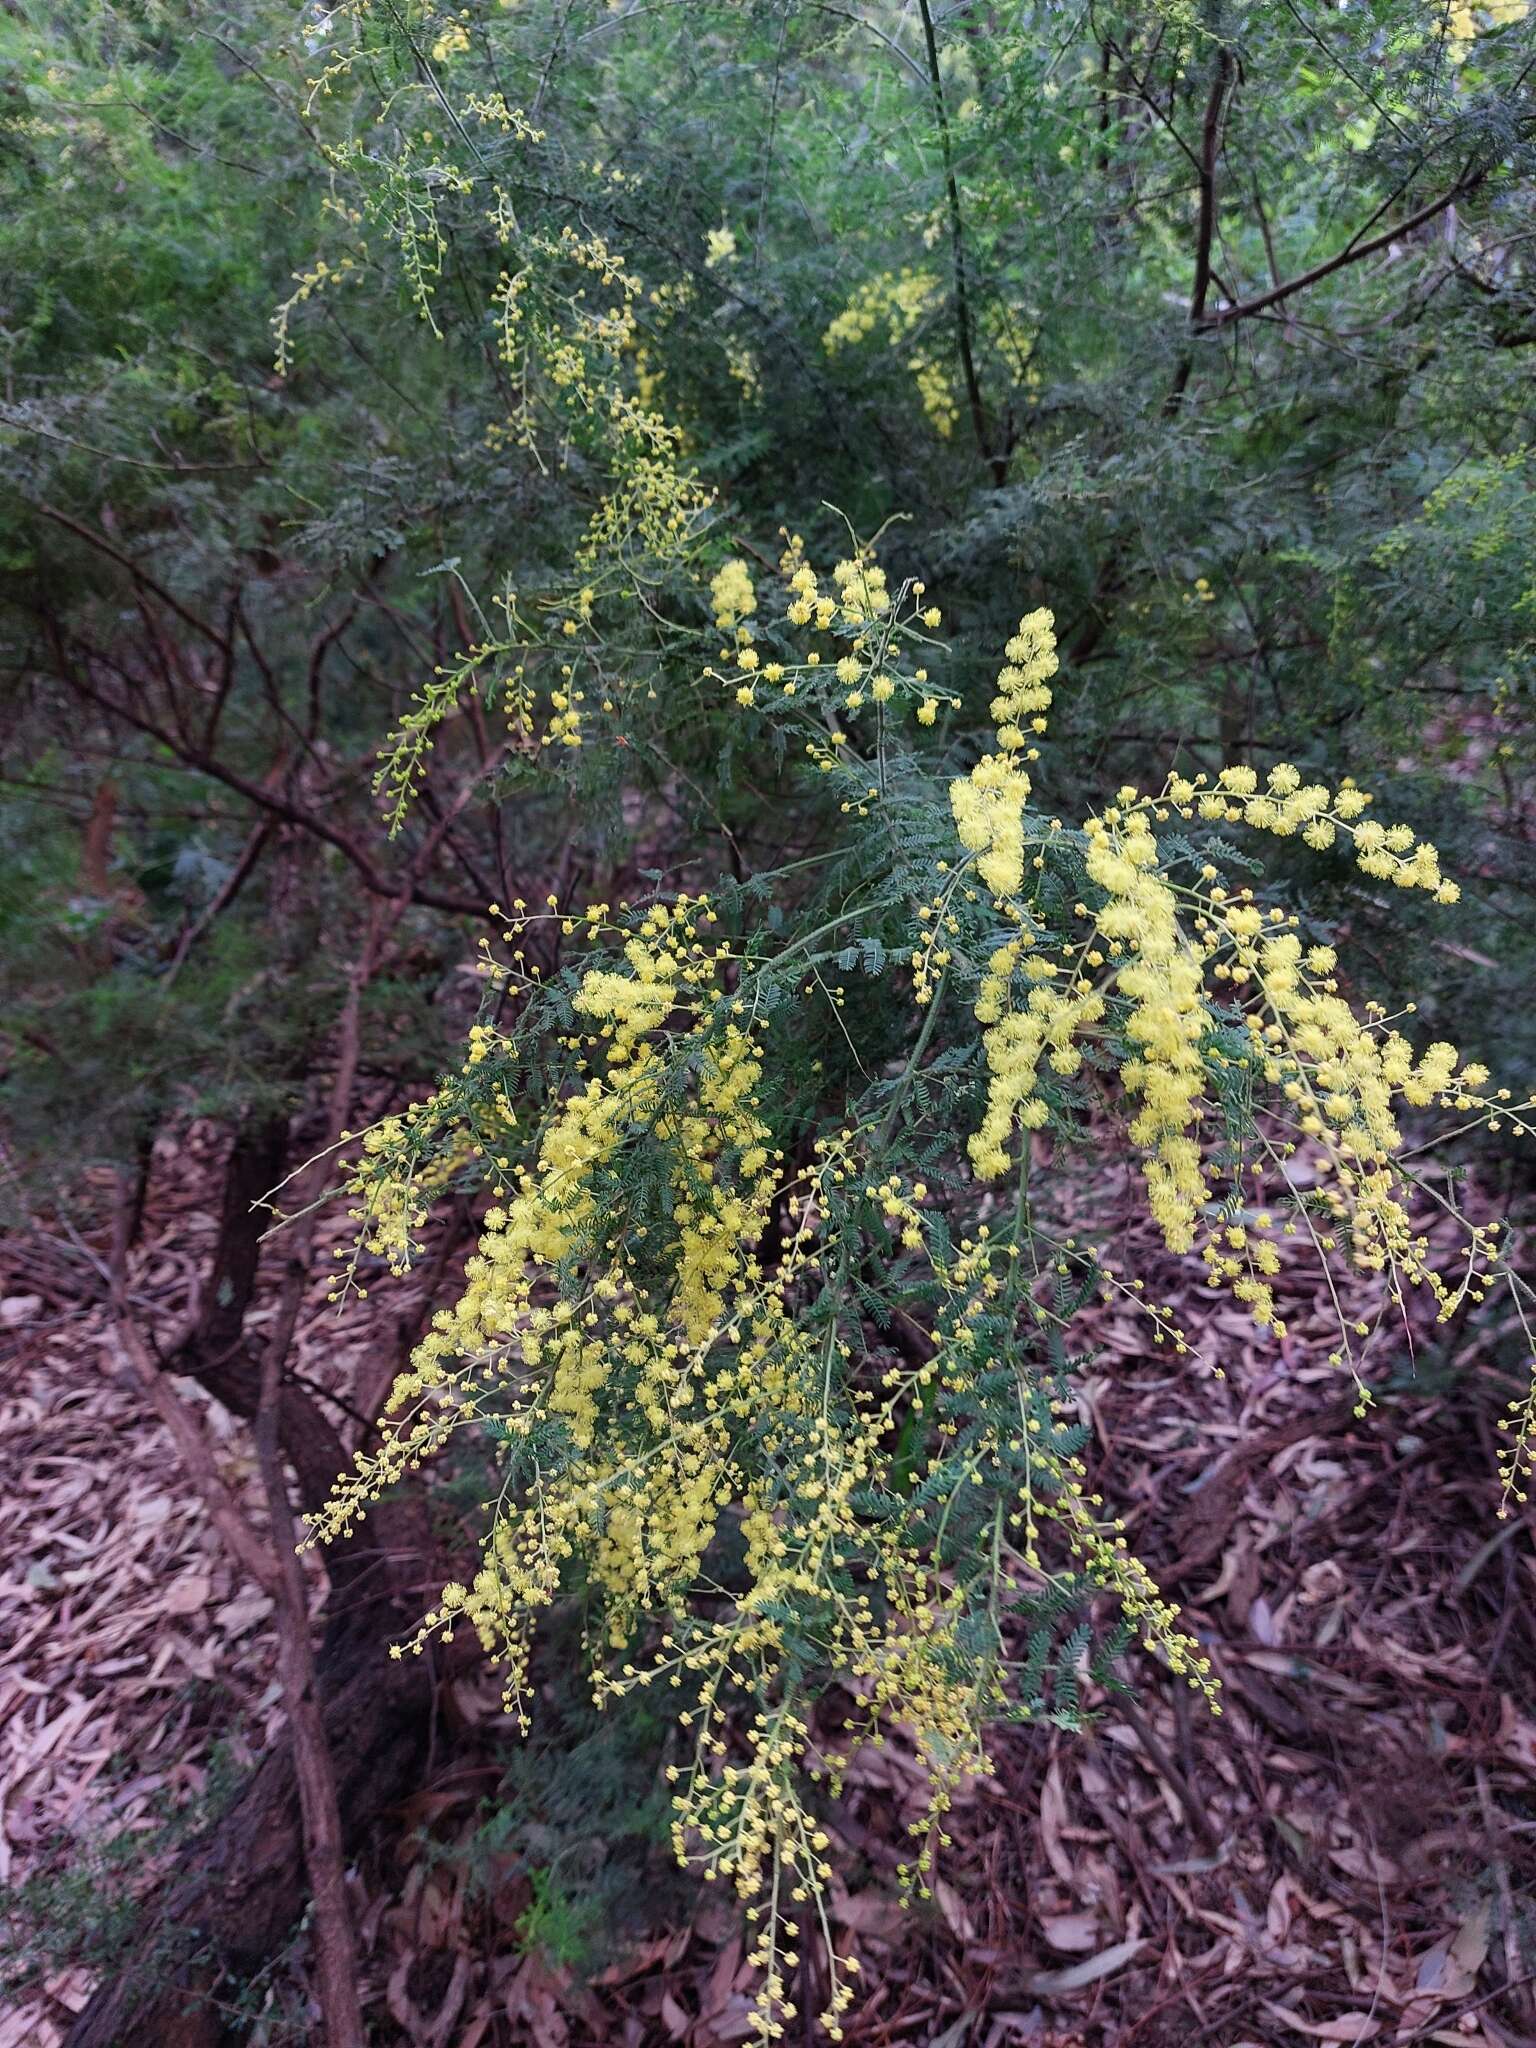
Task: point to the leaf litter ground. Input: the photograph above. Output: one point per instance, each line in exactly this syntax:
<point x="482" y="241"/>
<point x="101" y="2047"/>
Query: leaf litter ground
<point x="1346" y="1855"/>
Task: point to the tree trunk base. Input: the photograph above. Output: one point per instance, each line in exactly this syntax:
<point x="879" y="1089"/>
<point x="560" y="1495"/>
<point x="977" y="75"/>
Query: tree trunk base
<point x="236" y="1893"/>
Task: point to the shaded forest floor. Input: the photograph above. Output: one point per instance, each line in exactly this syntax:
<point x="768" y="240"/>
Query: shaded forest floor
<point x="1346" y="1854"/>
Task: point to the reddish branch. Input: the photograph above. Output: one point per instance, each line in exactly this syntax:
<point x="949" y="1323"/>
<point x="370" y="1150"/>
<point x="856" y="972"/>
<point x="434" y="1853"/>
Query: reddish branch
<point x="236" y="1892"/>
<point x="275" y="1566"/>
<point x="194" y="1451"/>
<point x="136" y="570"/>
<point x="81" y="664"/>
<point x="1354" y="251"/>
<point x="217" y="1337"/>
<point x="250" y="857"/>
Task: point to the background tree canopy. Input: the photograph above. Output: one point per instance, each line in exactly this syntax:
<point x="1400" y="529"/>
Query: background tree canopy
<point x="513" y="515"/>
<point x="1212" y="333"/>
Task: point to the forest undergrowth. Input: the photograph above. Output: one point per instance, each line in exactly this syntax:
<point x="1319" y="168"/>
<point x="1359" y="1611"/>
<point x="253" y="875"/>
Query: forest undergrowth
<point x="1167" y="1877"/>
<point x="766" y="1072"/>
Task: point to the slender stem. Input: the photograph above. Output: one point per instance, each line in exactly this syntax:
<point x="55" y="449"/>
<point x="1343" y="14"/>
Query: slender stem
<point x="1352" y="252"/>
<point x="1205" y="232"/>
<point x="324" y="1842"/>
<point x="997" y="461"/>
<point x="888" y="1126"/>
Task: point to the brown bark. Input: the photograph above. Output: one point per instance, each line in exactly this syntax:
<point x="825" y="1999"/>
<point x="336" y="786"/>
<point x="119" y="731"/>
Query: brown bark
<point x="995" y="458"/>
<point x="237" y="1892"/>
<point x="1223" y="70"/>
<point x="325" y="1860"/>
<point x="359" y="1721"/>
<point x="96" y="854"/>
<point x="206" y="1923"/>
<point x="196" y="1455"/>
<point x="215" y="1352"/>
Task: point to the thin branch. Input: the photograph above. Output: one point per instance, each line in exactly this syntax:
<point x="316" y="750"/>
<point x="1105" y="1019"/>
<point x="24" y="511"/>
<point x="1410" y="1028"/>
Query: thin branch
<point x="135" y="569"/>
<point x="324" y="1854"/>
<point x="194" y="756"/>
<point x="997" y="462"/>
<point x="233" y="883"/>
<point x="879" y="34"/>
<point x="1354" y="251"/>
<point x="1205" y="231"/>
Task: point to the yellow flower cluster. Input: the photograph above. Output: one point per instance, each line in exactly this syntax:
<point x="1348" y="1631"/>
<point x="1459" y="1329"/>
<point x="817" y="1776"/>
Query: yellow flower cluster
<point x="734" y="597"/>
<point x="858" y="595"/>
<point x="935" y="392"/>
<point x="1464" y="20"/>
<point x="491" y="110"/>
<point x="988" y="809"/>
<point x="543" y="326"/>
<point x="1023" y="683"/>
<point x="864" y="663"/>
<point x="452" y="42"/>
<point x="568" y="356"/>
<point x="1343" y="1083"/>
<point x="721" y="248"/>
<point x="900" y="301"/>
<point x="648" y="1368"/>
<point x="1162" y="979"/>
<point x="989" y="805"/>
<point x="1164" y="966"/>
<point x="394" y="1191"/>
<point x="1287" y="806"/>
<point x="619" y="1348"/>
<point x="1015" y="1046"/>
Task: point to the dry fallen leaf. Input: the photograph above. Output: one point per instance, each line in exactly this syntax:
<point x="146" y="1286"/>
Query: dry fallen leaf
<point x="1072" y="1933"/>
<point x="1348" y="2026"/>
<point x="1053" y="1818"/>
<point x="187" y="1595"/>
<point x="241" y="1613"/>
<point x="1104" y="1964"/>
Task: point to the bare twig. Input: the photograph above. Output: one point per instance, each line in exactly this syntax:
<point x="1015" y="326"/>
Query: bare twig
<point x="324" y="1856"/>
<point x="1158" y="1757"/>
<point x="1354" y="251"/>
<point x="1222" y="70"/>
<point x="996" y="459"/>
<point x="233" y="883"/>
<point x="1514" y="1961"/>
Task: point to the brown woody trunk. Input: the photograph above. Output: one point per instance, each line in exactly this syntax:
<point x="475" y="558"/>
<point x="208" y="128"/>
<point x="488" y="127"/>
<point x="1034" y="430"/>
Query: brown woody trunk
<point x="237" y="1892"/>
